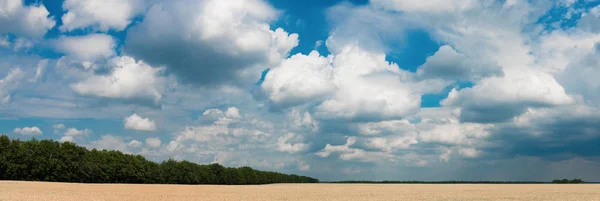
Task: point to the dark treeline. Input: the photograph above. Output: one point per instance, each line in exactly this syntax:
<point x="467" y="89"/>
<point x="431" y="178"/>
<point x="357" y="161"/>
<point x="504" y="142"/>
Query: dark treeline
<point x="436" y="182"/>
<point x="48" y="160"/>
<point x="566" y="181"/>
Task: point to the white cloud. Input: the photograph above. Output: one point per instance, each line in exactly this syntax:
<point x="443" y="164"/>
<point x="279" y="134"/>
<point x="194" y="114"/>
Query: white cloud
<point x="453" y="132"/>
<point x="67" y="138"/>
<point x="127" y="80"/>
<point x="469" y="152"/>
<point x="213" y="42"/>
<point x="109" y="142"/>
<point x="28" y="131"/>
<point x="353" y="84"/>
<point x="513" y="92"/>
<point x="299" y="79"/>
<point x="284" y="146"/>
<point x="19" y="19"/>
<point x="302" y="166"/>
<point x="86" y="48"/>
<point x="589" y="20"/>
<point x="134" y="144"/>
<point x="233" y="113"/>
<point x="217" y="132"/>
<point x="76" y="132"/>
<point x="347" y="153"/>
<point x="100" y="15"/>
<point x="71" y="134"/>
<point x="153" y="142"/>
<point x="448" y="64"/>
<point x="368" y="88"/>
<point x="136" y="122"/>
<point x="9" y="83"/>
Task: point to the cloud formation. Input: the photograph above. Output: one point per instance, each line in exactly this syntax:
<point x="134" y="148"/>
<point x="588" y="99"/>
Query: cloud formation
<point x="71" y="134"/>
<point x="86" y="48"/>
<point x="30" y="21"/>
<point x="136" y="122"/>
<point x="128" y="79"/>
<point x="210" y="42"/>
<point x="99" y="14"/>
<point x="28" y="131"/>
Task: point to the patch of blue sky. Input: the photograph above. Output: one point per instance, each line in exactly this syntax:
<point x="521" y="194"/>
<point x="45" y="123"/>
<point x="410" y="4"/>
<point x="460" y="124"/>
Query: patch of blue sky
<point x="433" y="100"/>
<point x="308" y="19"/>
<point x="563" y="17"/>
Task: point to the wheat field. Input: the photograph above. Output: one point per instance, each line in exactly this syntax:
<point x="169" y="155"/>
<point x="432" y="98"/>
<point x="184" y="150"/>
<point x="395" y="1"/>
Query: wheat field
<point x="40" y="191"/>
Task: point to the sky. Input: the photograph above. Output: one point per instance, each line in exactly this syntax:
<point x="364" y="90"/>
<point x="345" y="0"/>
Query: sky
<point x="337" y="90"/>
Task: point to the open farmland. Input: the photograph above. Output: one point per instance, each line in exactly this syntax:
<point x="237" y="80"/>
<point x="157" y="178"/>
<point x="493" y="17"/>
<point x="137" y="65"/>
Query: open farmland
<point x="39" y="191"/>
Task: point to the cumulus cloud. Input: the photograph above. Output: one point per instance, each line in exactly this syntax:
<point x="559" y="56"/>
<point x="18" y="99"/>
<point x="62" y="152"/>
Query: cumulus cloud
<point x="354" y="84"/>
<point x="134" y="144"/>
<point x="72" y="133"/>
<point x="579" y="64"/>
<point x="128" y="79"/>
<point x="284" y="146"/>
<point x="217" y="132"/>
<point x="210" y="42"/>
<point x="555" y="134"/>
<point x="368" y="88"/>
<point x="76" y="132"/>
<point x="136" y="122"/>
<point x="589" y="20"/>
<point x="109" y="142"/>
<point x="28" y="131"/>
<point x="237" y="140"/>
<point x="31" y="21"/>
<point x="300" y="79"/>
<point x="448" y="64"/>
<point x="99" y="14"/>
<point x="86" y="48"/>
<point x="469" y="152"/>
<point x="501" y="98"/>
<point x="153" y="142"/>
<point x="348" y="153"/>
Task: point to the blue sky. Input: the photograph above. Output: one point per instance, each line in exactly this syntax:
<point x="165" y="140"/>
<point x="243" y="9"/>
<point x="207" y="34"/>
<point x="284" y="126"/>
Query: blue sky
<point x="339" y="90"/>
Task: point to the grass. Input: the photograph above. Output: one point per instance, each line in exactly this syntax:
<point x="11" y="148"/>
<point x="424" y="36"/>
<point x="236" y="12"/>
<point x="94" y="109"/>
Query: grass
<point x="30" y="191"/>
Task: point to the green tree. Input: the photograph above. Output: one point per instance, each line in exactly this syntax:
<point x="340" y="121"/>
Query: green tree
<point x="48" y="160"/>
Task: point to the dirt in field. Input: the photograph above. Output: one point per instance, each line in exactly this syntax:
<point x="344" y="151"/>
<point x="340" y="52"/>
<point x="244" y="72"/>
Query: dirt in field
<point x="40" y="191"/>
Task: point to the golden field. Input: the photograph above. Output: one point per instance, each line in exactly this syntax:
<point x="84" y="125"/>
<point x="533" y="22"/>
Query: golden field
<point x="41" y="191"/>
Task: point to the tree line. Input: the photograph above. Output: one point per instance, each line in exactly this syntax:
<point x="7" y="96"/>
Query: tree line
<point x="566" y="181"/>
<point x="48" y="160"/>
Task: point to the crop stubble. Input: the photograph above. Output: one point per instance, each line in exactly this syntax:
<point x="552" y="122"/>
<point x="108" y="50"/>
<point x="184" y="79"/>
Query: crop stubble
<point x="42" y="191"/>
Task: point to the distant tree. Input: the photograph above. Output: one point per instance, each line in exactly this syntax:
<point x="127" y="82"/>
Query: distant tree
<point x="566" y="181"/>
